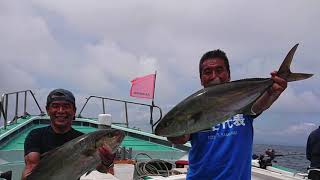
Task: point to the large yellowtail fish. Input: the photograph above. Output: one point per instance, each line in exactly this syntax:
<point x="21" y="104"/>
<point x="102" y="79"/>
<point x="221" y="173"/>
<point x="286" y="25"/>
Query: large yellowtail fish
<point x="76" y="157"/>
<point x="215" y="104"/>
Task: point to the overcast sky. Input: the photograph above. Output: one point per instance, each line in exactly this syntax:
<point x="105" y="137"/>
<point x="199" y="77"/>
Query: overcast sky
<point x="96" y="48"/>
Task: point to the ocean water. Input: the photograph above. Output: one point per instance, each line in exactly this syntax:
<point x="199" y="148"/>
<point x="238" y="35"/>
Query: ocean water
<point x="294" y="156"/>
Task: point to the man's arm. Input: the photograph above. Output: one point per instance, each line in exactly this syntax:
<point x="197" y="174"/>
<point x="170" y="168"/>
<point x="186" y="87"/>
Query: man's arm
<point x="179" y="139"/>
<point x="31" y="152"/>
<point x="31" y="160"/>
<point x="271" y="95"/>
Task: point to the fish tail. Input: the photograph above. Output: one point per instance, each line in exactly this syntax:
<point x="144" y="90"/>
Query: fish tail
<point x="298" y="76"/>
<point x="284" y="70"/>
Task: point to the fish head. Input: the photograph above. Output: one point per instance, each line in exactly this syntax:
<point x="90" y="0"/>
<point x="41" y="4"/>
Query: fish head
<point x="170" y="124"/>
<point x="182" y="117"/>
<point x="109" y="137"/>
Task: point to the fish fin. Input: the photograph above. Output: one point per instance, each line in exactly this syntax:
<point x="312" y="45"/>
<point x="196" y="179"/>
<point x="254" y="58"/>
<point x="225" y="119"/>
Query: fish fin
<point x="284" y="70"/>
<point x="298" y="76"/>
<point x="247" y="110"/>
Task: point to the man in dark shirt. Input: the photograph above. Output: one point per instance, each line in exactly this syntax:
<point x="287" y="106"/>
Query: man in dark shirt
<point x="61" y="109"/>
<point x="313" y="154"/>
<point x="45" y="139"/>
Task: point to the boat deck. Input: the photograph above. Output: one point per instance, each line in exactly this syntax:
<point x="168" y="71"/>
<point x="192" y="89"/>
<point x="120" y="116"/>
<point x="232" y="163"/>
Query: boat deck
<point x="12" y="142"/>
<point x="12" y="145"/>
<point x="19" y="130"/>
<point x="17" y="143"/>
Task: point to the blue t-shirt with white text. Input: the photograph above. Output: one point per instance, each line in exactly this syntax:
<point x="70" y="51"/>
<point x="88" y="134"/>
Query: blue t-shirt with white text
<point x="223" y="153"/>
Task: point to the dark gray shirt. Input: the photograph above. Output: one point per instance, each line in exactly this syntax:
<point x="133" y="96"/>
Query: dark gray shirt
<point x="313" y="148"/>
<point x="45" y="139"/>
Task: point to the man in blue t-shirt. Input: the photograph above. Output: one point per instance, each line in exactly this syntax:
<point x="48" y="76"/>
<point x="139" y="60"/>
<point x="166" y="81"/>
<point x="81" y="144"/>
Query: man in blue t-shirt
<point x="225" y="151"/>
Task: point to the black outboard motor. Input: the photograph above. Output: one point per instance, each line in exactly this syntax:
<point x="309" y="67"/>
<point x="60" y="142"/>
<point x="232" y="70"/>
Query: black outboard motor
<point x="313" y="173"/>
<point x="267" y="158"/>
<point x="6" y="175"/>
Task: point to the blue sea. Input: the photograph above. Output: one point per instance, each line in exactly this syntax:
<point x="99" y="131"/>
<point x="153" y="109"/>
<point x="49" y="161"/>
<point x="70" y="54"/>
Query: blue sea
<point x="294" y="156"/>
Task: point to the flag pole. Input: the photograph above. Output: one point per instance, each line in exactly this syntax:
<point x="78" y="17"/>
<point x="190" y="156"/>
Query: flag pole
<point x="152" y="103"/>
<point x="154" y="87"/>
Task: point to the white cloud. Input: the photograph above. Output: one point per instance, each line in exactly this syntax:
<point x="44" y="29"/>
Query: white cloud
<point x="288" y="134"/>
<point x="292" y="101"/>
<point x="296" y="129"/>
<point x="25" y="39"/>
<point x="11" y="79"/>
<point x="97" y="47"/>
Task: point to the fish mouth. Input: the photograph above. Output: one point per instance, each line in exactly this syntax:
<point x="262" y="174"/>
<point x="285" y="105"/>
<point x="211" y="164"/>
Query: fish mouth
<point x="161" y="132"/>
<point x="156" y="132"/>
<point x="112" y="138"/>
<point x="119" y="136"/>
<point x="164" y="127"/>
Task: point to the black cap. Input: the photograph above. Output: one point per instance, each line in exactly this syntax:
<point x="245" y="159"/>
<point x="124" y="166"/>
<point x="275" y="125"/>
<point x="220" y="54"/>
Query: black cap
<point x="61" y="95"/>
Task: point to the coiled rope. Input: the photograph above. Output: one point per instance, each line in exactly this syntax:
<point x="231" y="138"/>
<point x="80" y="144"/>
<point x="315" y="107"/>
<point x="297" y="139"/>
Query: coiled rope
<point x="152" y="167"/>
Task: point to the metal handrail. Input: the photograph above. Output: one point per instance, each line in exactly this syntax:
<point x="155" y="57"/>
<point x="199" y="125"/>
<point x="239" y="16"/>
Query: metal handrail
<point x="4" y="105"/>
<point x="126" y="108"/>
<point x="2" y="110"/>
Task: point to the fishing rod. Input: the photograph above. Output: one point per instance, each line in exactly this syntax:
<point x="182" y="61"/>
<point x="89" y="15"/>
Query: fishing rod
<point x="292" y="154"/>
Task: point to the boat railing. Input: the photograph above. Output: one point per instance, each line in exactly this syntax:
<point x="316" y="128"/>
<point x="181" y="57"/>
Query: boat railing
<point x="4" y="105"/>
<point x="125" y="103"/>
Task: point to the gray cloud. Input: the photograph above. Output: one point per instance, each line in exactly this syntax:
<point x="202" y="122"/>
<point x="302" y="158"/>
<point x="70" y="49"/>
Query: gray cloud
<point x="94" y="47"/>
<point x="293" y="134"/>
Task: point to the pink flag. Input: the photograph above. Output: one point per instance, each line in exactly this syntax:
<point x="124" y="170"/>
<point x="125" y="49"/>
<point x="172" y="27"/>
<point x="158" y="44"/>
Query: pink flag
<point x="143" y="87"/>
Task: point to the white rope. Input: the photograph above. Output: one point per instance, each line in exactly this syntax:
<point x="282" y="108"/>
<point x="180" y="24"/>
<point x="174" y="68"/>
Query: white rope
<point x="152" y="167"/>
